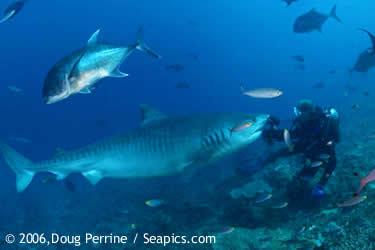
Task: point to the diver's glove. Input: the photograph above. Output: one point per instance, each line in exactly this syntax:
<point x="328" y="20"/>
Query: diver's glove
<point x="318" y="191"/>
<point x="268" y="135"/>
<point x="271" y="132"/>
<point x="273" y="121"/>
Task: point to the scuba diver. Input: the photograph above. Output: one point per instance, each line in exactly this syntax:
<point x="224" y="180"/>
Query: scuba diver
<point x="314" y="133"/>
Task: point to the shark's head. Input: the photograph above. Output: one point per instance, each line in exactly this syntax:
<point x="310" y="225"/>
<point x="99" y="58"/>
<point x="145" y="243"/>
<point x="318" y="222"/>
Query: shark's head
<point x="247" y="129"/>
<point x="231" y="132"/>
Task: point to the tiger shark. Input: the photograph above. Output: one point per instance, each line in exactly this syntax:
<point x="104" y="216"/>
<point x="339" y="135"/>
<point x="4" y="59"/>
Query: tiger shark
<point x="161" y="146"/>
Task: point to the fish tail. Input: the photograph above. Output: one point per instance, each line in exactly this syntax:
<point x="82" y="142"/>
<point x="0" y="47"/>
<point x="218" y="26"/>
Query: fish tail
<point x="362" y="184"/>
<point x="242" y="88"/>
<point x="140" y="45"/>
<point x="22" y="167"/>
<point x="333" y="14"/>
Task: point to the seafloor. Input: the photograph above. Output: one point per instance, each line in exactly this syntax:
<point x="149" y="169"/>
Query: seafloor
<point x="305" y="223"/>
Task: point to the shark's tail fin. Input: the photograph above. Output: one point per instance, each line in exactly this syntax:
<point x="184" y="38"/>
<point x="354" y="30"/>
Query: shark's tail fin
<point x="334" y="15"/>
<point x="21" y="166"/>
<point x="140" y="45"/>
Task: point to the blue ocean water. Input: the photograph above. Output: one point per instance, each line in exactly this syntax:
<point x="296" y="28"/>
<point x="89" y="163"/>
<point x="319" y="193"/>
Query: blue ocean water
<point x="222" y="44"/>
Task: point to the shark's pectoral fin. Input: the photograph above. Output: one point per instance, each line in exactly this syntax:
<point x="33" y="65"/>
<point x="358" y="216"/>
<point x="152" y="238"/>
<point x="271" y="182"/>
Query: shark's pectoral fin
<point x="118" y="73"/>
<point x="93" y="176"/>
<point x="85" y="91"/>
<point x="150" y="115"/>
<point x="94" y="38"/>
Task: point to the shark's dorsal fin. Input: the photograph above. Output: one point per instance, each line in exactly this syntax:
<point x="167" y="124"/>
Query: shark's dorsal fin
<point x="94" y="38"/>
<point x="372" y="37"/>
<point x="150" y="115"/>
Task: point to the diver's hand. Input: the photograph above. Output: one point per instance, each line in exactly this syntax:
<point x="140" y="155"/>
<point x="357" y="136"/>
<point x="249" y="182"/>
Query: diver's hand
<point x="268" y="135"/>
<point x="273" y="121"/>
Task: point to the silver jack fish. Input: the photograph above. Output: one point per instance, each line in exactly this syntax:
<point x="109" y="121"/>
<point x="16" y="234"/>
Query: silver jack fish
<point x="79" y="71"/>
<point x="313" y="21"/>
<point x="161" y="146"/>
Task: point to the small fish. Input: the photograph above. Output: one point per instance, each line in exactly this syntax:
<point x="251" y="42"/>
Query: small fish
<point x="281" y="205"/>
<point x="330" y="143"/>
<point x="355" y="106"/>
<point x="366" y="93"/>
<point x="226" y="230"/>
<point x="289" y="2"/>
<point x="288" y="140"/>
<point x="262" y="92"/>
<point x="319" y="85"/>
<point x="241" y="126"/>
<point x="299" y="58"/>
<point x="300" y="67"/>
<point x="301" y="230"/>
<point x="316" y="164"/>
<point x="15" y="89"/>
<point x="352" y="201"/>
<point x="154" y="203"/>
<point x="324" y="157"/>
<point x="369" y="178"/>
<point x="263" y="197"/>
<point x="21" y="140"/>
<point x="183" y="85"/>
<point x="175" y="67"/>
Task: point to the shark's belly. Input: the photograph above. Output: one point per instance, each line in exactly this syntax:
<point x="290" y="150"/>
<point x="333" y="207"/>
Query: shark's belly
<point x="152" y="160"/>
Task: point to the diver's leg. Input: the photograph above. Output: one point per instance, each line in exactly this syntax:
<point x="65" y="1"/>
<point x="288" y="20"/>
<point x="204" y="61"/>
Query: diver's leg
<point x="329" y="168"/>
<point x="307" y="173"/>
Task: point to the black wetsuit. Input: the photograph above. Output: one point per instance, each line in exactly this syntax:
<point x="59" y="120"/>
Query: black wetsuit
<point x="313" y="134"/>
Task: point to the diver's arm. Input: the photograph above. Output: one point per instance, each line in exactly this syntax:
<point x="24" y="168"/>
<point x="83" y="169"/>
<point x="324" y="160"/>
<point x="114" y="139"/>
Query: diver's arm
<point x="329" y="168"/>
<point x="271" y="132"/>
